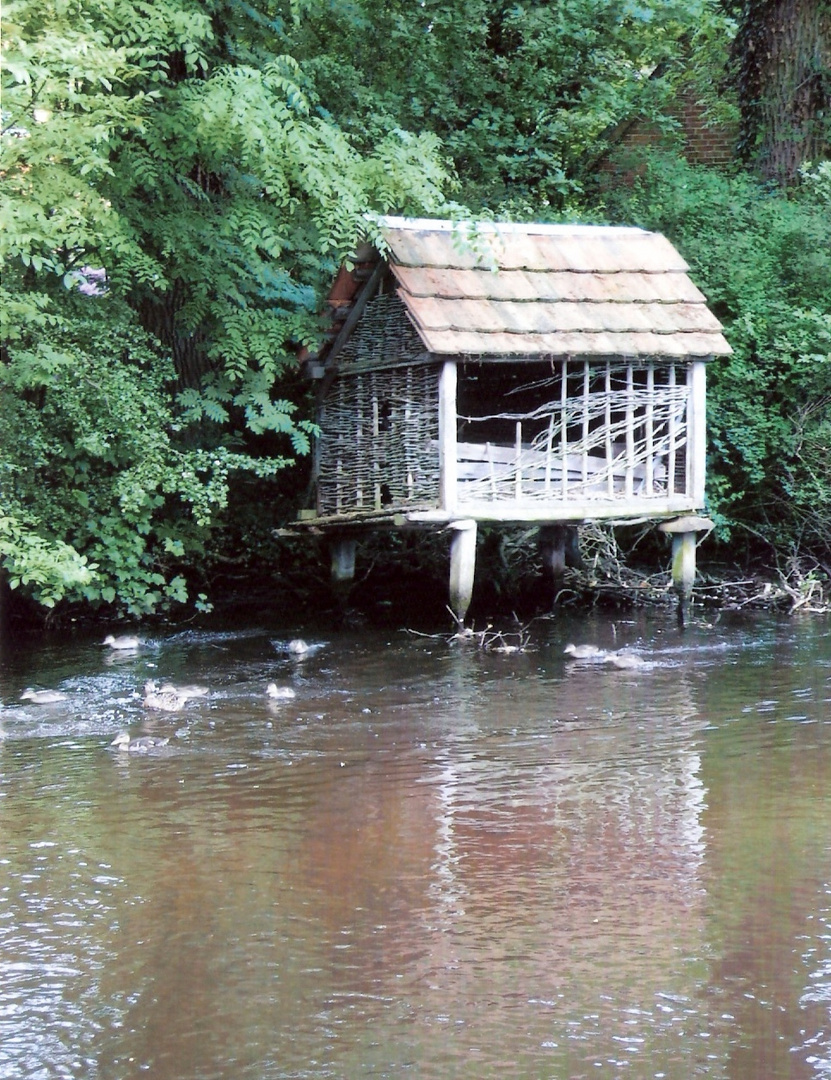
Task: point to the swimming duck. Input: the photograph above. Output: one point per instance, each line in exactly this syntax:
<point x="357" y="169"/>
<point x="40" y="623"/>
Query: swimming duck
<point x="166" y="701"/>
<point x="297" y="647"/>
<point x="141" y="745"/>
<point x="43" y="697"/>
<point x="124" y="641"/>
<point x="187" y="691"/>
<point x="624" y="660"/>
<point x="279" y="693"/>
<point x="584" y="652"/>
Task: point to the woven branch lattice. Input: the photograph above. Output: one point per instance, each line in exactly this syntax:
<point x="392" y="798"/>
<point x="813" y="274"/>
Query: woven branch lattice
<point x="379" y="443"/>
<point x="606" y="443"/>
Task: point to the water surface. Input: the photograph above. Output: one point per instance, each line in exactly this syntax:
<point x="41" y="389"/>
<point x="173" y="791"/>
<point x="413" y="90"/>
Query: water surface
<point x="434" y="861"/>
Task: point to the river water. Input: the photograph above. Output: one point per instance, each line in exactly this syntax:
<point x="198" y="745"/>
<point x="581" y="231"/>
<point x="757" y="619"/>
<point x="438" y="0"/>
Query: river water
<point x="435" y="861"/>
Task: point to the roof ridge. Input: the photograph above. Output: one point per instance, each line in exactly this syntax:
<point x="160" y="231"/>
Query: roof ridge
<point x="528" y="228"/>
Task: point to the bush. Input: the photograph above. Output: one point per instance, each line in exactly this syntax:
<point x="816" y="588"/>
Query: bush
<point x="763" y="259"/>
<point x="102" y="502"/>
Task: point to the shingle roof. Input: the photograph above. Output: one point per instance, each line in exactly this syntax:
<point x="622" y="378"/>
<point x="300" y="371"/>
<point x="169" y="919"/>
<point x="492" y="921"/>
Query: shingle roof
<point x="545" y="290"/>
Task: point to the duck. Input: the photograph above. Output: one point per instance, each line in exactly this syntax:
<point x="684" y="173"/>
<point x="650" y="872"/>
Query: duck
<point x="625" y="660"/>
<point x="297" y="647"/>
<point x="165" y="701"/>
<point x="280" y="693"/>
<point x="123" y="641"/>
<point x="188" y="690"/>
<point x="584" y="652"/>
<point x="141" y="745"/>
<point x="43" y="697"/>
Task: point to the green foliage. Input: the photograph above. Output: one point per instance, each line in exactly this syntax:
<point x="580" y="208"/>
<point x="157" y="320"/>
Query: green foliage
<point x="763" y="259"/>
<point x="99" y="502"/>
<point x="65" y="94"/>
<point x="521" y="95"/>
<point x="182" y="177"/>
<point x="246" y="198"/>
<point x="165" y="154"/>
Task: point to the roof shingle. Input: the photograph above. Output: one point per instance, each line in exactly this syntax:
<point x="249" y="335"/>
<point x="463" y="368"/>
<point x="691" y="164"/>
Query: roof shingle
<point x="530" y="290"/>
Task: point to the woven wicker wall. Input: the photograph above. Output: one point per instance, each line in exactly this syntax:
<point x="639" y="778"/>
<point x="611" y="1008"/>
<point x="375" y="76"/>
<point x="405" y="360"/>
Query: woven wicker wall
<point x="383" y="338"/>
<point x="378" y="448"/>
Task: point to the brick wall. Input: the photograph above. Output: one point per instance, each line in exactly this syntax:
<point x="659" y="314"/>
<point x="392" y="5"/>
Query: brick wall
<point x="702" y="141"/>
<point x="705" y="142"/>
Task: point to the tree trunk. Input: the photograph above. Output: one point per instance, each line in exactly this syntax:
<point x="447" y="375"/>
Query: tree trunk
<point x="783" y="54"/>
<point x="158" y="315"/>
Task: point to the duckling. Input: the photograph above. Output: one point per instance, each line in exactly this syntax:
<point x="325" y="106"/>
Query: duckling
<point x="625" y="660"/>
<point x="141" y="745"/>
<point x="124" y="641"/>
<point x="43" y="697"/>
<point x="584" y="652"/>
<point x="159" y="699"/>
<point x="279" y="693"/>
<point x="189" y="690"/>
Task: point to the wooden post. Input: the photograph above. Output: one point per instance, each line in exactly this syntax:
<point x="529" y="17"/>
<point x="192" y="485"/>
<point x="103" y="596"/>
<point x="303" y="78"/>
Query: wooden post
<point x="697" y="431"/>
<point x="649" y="474"/>
<point x="629" y="468"/>
<point x="342" y="551"/>
<point x="672" y="425"/>
<point x="683" y="570"/>
<point x="448" y="468"/>
<point x="462" y="567"/>
<point x="684" y="538"/>
<point x="584" y="466"/>
<point x="610" y="454"/>
<point x="564" y="429"/>
<point x="551" y="540"/>
<point x="559" y="547"/>
<point x="518" y="452"/>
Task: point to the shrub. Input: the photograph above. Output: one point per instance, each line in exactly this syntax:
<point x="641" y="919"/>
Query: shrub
<point x="763" y="259"/>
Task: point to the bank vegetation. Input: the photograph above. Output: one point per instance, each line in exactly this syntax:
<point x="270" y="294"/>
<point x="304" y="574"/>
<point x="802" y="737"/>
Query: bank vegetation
<point x="181" y="181"/>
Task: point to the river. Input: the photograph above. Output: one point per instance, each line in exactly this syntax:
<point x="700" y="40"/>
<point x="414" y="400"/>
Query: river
<point x="434" y="861"/>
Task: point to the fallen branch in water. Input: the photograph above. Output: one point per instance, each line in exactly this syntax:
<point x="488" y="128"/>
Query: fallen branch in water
<point x="489" y="640"/>
<point x="499" y="642"/>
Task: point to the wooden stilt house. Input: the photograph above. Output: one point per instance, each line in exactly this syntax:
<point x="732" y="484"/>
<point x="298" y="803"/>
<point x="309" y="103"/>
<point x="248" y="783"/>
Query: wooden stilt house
<point x="510" y="373"/>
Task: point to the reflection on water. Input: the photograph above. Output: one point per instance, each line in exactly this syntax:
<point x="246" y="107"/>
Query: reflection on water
<point x="432" y="860"/>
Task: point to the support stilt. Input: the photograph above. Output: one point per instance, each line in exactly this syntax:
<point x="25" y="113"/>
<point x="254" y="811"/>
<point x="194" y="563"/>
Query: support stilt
<point x="462" y="567"/>
<point x="683" y="571"/>
<point x="552" y="545"/>
<point x="342" y="550"/>
<point x="684" y="532"/>
<point x="342" y="567"/>
<point x="559" y="547"/>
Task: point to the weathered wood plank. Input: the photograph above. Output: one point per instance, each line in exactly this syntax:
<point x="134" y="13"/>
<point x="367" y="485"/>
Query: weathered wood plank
<point x="697" y="430"/>
<point x="447" y="436"/>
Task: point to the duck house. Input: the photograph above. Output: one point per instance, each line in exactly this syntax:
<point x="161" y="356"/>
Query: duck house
<point x="511" y="373"/>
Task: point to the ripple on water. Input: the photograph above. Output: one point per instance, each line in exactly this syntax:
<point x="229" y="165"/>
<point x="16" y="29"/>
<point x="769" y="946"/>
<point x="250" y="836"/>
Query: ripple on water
<point x="432" y="860"/>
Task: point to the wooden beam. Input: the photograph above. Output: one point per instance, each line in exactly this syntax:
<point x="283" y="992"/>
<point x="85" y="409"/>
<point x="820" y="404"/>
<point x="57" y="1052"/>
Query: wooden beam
<point x="697" y="430"/>
<point x="448" y="477"/>
<point x="542" y="512"/>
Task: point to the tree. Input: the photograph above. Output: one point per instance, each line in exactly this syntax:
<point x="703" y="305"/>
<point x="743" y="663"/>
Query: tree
<point x="764" y="262"/>
<point x="161" y="159"/>
<point x="782" y="61"/>
<point x="520" y="94"/>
